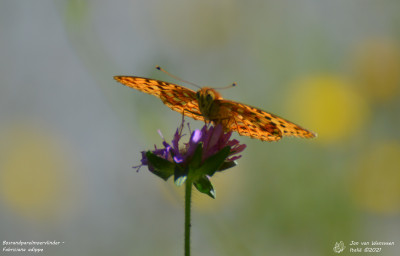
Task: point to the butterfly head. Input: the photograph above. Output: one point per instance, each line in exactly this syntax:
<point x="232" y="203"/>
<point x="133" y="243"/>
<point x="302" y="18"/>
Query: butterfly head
<point x="206" y="98"/>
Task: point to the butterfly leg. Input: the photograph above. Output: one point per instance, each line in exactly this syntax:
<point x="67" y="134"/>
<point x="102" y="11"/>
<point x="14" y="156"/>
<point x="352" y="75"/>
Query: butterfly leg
<point x="192" y="114"/>
<point x="182" y="123"/>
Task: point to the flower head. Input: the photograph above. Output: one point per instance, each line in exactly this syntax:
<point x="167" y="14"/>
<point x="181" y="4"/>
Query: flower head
<point x="208" y="150"/>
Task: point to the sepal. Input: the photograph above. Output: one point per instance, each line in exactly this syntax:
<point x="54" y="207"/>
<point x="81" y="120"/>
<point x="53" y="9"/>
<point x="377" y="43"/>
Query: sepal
<point x="204" y="186"/>
<point x="160" y="166"/>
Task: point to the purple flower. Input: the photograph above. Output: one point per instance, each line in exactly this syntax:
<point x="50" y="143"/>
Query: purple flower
<point x="212" y="138"/>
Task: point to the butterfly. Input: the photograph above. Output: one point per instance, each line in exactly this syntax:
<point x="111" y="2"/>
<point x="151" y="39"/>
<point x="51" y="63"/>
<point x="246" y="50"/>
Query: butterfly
<point x="207" y="105"/>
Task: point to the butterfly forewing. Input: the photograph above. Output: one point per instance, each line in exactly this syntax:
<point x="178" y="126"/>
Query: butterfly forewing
<point x="256" y="123"/>
<point x="176" y="97"/>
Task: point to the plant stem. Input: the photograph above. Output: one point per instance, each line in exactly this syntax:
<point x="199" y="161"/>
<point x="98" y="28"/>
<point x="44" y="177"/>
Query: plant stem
<point x="188" y="199"/>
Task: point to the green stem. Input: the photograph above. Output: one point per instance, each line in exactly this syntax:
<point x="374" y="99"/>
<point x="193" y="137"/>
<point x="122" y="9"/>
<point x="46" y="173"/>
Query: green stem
<point x="188" y="199"/>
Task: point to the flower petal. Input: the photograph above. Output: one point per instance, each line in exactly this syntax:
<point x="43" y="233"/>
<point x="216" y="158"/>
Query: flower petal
<point x="178" y="159"/>
<point x="196" y="136"/>
<point x="175" y="140"/>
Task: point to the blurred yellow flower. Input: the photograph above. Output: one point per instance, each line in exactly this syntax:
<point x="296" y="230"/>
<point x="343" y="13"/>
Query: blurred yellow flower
<point x="377" y="68"/>
<point x="376" y="183"/>
<point x="32" y="171"/>
<point x="328" y="106"/>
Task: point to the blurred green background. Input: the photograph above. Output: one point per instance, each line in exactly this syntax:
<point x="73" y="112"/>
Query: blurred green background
<point x="70" y="134"/>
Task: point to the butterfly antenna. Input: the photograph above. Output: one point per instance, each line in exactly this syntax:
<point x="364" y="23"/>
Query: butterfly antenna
<point x="180" y="79"/>
<point x="177" y="78"/>
<point x="227" y="87"/>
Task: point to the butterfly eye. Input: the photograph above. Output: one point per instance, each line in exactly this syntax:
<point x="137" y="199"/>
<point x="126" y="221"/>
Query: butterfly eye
<point x="209" y="97"/>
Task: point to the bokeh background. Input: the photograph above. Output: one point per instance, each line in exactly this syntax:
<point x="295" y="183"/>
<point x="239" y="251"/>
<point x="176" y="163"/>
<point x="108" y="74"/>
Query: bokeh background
<point x="70" y="134"/>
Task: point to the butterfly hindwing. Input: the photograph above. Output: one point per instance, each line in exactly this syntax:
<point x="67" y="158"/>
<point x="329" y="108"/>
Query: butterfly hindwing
<point x="182" y="101"/>
<point x="247" y="122"/>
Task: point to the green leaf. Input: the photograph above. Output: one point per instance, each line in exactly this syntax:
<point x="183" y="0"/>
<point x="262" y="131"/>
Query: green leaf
<point x="162" y="168"/>
<point x="227" y="165"/>
<point x="204" y="186"/>
<point x="213" y="163"/>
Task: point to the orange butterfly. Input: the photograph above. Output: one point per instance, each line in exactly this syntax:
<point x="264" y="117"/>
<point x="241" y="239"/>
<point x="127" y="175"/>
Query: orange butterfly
<point x="208" y="105"/>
